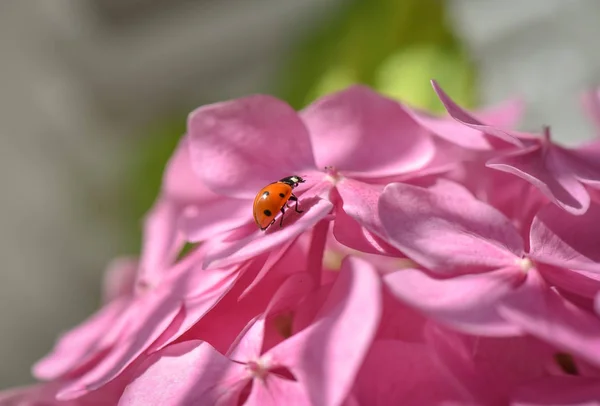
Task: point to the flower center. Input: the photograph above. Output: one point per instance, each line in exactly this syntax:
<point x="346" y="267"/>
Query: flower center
<point x="257" y="369"/>
<point x="525" y="264"/>
<point x="332" y="175"/>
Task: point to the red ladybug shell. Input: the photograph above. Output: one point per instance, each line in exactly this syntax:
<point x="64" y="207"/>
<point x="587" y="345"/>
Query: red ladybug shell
<point x="269" y="202"/>
<point x="271" y="199"/>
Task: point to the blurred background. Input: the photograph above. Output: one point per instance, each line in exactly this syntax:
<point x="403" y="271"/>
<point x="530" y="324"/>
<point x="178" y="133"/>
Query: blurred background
<point x="94" y="95"/>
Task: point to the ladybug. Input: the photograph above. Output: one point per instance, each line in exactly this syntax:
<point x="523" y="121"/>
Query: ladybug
<point x="273" y="198"/>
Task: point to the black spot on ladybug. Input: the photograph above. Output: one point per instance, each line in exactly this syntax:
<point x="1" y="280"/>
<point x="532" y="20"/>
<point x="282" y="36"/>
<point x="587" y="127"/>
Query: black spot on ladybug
<point x="267" y="213"/>
<point x="281" y="195"/>
<point x="266" y="193"/>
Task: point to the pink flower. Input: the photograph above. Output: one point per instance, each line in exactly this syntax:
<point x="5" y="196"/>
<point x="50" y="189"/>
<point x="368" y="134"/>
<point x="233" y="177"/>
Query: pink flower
<point x="453" y="131"/>
<point x="498" y="189"/>
<point x="562" y="174"/>
<point x="418" y="273"/>
<point x="404" y="373"/>
<point x="182" y="194"/>
<point x="45" y="395"/>
<point x="188" y="301"/>
<point x="242" y="145"/>
<point x="101" y="348"/>
<point x="333" y="132"/>
<point x="257" y="282"/>
<point x="315" y="366"/>
<point x="488" y="369"/>
<point x="78" y="347"/>
<point x="30" y="395"/>
<point x="481" y="280"/>
<point x="515" y="370"/>
<point x="559" y="391"/>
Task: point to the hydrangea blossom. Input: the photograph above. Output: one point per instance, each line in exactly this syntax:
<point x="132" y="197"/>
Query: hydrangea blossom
<point x="438" y="260"/>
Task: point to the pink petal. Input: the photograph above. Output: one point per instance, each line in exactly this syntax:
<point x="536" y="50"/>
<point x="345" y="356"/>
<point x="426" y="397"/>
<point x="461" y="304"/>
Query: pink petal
<point x="212" y="285"/>
<point x="454" y="357"/>
<point x="148" y="318"/>
<point x="221" y="326"/>
<point x="291" y="292"/>
<point x="583" y="162"/>
<point x="258" y="242"/>
<point x="508" y="362"/>
<point x="349" y="233"/>
<point x="249" y="343"/>
<point x="559" y="391"/>
<point x="287" y="260"/>
<point x="240" y="146"/>
<point x="326" y="356"/>
<point x="201" y="222"/>
<point x="564" y="240"/>
<point x="399" y="322"/>
<point x="463" y="117"/>
<point x="359" y="131"/>
<point x="444" y="186"/>
<point x="595" y="195"/>
<point x="539" y="168"/>
<point x="451" y="130"/>
<point x="542" y="313"/>
<point x="581" y="283"/>
<point x="119" y="279"/>
<point x="82" y="344"/>
<point x="446" y="232"/>
<point x="45" y="395"/>
<point x="197" y="210"/>
<point x="180" y="182"/>
<point x="276" y="391"/>
<point x="307" y="310"/>
<point x="13" y="396"/>
<point x="359" y="214"/>
<point x="498" y="189"/>
<point x="467" y="303"/>
<point x="33" y="395"/>
<point x="16" y="394"/>
<point x="282" y="306"/>
<point x="351" y="401"/>
<point x="447" y="157"/>
<point x="186" y="374"/>
<point x="161" y="241"/>
<point x="489" y="368"/>
<point x="397" y="373"/>
<point x="585" y="369"/>
<point x="505" y="114"/>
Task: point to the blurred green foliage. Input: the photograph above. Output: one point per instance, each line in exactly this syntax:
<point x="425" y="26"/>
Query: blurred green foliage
<point x="141" y="183"/>
<point x="394" y="46"/>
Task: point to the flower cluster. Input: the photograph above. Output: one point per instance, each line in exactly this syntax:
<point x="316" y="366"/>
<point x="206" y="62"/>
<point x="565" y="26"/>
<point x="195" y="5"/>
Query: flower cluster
<point x="437" y="260"/>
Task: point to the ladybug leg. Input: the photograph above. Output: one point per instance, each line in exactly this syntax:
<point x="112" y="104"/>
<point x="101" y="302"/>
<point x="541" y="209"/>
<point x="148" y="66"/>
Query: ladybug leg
<point x="295" y="199"/>
<point x="282" y="214"/>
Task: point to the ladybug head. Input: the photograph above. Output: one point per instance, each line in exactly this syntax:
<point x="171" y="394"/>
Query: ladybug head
<point x="292" y="180"/>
